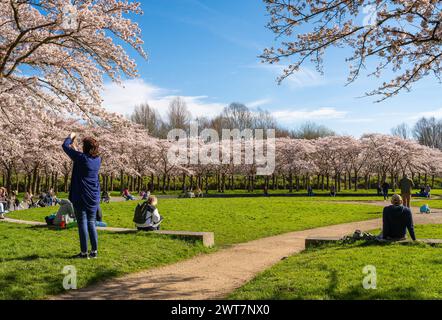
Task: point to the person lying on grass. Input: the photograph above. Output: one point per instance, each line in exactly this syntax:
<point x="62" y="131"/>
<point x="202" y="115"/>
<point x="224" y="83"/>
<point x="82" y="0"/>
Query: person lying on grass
<point x="127" y="195"/>
<point x="396" y="220"/>
<point x="147" y="217"/>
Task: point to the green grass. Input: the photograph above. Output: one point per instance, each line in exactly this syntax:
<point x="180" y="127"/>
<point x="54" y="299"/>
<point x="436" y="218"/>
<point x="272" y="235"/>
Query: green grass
<point x="429" y="231"/>
<point x="32" y="259"/>
<point x="403" y="272"/>
<point x="259" y="191"/>
<point x="233" y="220"/>
<point x="434" y="204"/>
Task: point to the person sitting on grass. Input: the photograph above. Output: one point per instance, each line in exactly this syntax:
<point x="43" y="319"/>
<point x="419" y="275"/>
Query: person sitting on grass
<point x="13" y="200"/>
<point x="144" y="195"/>
<point x="396" y="220"/>
<point x="27" y="199"/>
<point x="428" y="191"/>
<point x="4" y="198"/>
<point x="105" y="196"/>
<point x="127" y="195"/>
<point x="65" y="214"/>
<point x="2" y="211"/>
<point x="147" y="217"/>
<point x="199" y="193"/>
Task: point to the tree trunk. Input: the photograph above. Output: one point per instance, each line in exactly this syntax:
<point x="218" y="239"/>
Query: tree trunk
<point x="291" y="182"/>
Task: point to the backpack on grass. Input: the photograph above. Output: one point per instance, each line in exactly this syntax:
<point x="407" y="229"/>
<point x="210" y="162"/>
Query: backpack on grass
<point x="425" y="209"/>
<point x="358" y="235"/>
<point x="143" y="212"/>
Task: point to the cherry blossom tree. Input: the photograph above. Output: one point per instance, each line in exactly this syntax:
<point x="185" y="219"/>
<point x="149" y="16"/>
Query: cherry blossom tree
<point x="54" y="55"/>
<point x="402" y="36"/>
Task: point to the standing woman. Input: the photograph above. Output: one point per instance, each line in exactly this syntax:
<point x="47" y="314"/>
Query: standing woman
<point x="85" y="191"/>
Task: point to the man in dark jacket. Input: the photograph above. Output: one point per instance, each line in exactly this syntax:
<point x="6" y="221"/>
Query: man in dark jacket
<point x="396" y="220"/>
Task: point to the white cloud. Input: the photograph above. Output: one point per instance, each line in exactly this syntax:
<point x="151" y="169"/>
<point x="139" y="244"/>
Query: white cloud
<point x="427" y="114"/>
<point x="303" y="78"/>
<point x="258" y="103"/>
<point x="358" y="120"/>
<point x="304" y="114"/>
<point x="123" y="98"/>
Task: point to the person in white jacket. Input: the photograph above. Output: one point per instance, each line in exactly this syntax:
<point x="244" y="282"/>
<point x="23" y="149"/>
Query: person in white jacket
<point x="65" y="213"/>
<point x="153" y="218"/>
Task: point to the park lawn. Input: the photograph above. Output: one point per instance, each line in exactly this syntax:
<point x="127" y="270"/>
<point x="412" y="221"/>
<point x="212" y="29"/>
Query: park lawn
<point x="335" y="272"/>
<point x="32" y="259"/>
<point x="434" y="204"/>
<point x="428" y="231"/>
<point x="232" y="220"/>
<point x="360" y="193"/>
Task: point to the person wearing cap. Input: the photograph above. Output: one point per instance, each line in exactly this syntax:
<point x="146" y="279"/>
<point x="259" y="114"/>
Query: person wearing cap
<point x="396" y="219"/>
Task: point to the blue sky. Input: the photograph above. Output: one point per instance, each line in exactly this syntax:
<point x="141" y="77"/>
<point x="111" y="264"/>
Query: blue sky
<point x="206" y="51"/>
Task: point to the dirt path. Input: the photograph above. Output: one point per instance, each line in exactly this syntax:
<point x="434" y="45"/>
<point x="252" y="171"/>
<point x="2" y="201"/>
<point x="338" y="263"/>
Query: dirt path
<point x="215" y="275"/>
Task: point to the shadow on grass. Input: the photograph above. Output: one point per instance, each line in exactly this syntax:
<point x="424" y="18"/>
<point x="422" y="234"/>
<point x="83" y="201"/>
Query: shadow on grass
<point x="354" y="292"/>
<point x="31" y="257"/>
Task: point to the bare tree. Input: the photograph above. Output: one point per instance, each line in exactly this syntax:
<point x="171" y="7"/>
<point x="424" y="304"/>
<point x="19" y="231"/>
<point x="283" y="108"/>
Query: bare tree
<point x="311" y="130"/>
<point x="238" y="116"/>
<point x="402" y="131"/>
<point x="264" y="120"/>
<point x="148" y="118"/>
<point x="203" y="123"/>
<point x="429" y="132"/>
<point x="178" y="115"/>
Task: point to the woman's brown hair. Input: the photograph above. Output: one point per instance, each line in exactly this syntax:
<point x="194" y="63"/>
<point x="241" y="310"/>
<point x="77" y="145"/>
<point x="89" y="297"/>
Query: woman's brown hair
<point x="90" y="147"/>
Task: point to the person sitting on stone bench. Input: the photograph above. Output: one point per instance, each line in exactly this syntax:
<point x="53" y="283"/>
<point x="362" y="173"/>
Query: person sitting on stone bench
<point x="147" y="217"/>
<point x="396" y="220"/>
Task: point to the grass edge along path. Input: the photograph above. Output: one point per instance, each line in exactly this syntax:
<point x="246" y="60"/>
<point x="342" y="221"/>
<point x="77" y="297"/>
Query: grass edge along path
<point x="334" y="271"/>
<point x="238" y="221"/>
<point x="216" y="275"/>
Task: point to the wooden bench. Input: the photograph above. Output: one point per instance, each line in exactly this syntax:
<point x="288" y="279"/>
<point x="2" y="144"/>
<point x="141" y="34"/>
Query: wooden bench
<point x="311" y="242"/>
<point x="208" y="238"/>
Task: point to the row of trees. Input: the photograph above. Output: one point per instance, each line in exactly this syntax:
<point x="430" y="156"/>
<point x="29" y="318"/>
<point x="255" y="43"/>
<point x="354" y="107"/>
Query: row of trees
<point x="54" y="56"/>
<point x="31" y="158"/>
<point x="234" y="116"/>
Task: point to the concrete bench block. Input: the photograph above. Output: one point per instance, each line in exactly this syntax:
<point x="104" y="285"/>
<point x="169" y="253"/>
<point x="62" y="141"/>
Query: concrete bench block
<point x="208" y="238"/>
<point x="319" y="241"/>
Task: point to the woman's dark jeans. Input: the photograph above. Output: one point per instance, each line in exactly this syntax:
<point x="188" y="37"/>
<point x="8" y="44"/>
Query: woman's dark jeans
<point x="87" y="229"/>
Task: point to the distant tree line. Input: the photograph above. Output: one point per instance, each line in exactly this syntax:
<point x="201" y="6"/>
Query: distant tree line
<point x="234" y="116"/>
<point x="427" y="131"/>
